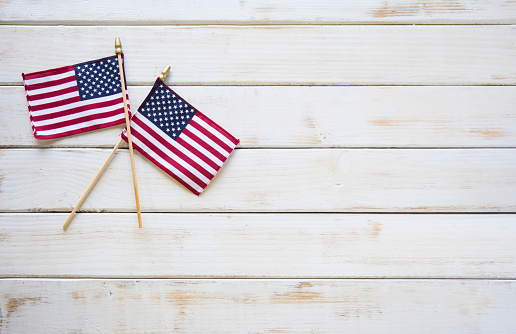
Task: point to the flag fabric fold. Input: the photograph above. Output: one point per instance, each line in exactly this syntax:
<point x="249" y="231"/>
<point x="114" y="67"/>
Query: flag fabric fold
<point x="74" y="99"/>
<point x="179" y="139"/>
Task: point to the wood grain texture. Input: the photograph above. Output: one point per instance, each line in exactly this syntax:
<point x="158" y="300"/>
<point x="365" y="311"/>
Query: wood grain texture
<point x="275" y="55"/>
<point x="270" y="180"/>
<point x="257" y="306"/>
<point x="259" y="246"/>
<point x="314" y="225"/>
<point x="133" y="12"/>
<point x="344" y="116"/>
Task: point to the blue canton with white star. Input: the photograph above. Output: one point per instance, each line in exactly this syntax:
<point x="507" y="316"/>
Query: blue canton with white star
<point x="98" y="78"/>
<point x="167" y="110"/>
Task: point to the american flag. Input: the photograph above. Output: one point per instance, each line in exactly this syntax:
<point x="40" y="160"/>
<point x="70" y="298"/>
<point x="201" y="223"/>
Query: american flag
<point x="74" y="99"/>
<point x="179" y="139"/>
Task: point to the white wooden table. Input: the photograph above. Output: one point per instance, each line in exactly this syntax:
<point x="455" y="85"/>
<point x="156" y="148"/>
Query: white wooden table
<point x="373" y="191"/>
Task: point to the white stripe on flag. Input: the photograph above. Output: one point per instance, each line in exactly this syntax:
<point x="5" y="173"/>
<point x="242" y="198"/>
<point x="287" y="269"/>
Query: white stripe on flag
<point x="215" y="132"/>
<point x="206" y="139"/>
<point x="54" y="98"/>
<point x="201" y="149"/>
<point x="32" y="92"/>
<point x="79" y="115"/>
<point x="178" y="146"/>
<point x="164" y="163"/>
<point x="77" y="126"/>
<point x="77" y="104"/>
<point x="50" y="78"/>
<point x="167" y="152"/>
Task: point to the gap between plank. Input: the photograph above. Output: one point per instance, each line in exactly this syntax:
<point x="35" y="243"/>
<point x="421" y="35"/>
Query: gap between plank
<point x="93" y="23"/>
<point x="41" y="211"/>
<point x="250" y="278"/>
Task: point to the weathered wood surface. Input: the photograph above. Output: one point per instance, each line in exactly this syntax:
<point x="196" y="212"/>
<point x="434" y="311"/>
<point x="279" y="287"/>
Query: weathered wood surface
<point x="258" y="306"/>
<point x="270" y="180"/>
<point x="259" y="246"/>
<point x="135" y="12"/>
<point x="306" y="229"/>
<point x="276" y="55"/>
<point x="329" y="116"/>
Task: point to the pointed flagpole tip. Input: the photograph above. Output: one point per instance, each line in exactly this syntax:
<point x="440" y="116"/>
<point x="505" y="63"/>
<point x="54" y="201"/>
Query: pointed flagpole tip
<point x="164" y="73"/>
<point x="118" y="46"/>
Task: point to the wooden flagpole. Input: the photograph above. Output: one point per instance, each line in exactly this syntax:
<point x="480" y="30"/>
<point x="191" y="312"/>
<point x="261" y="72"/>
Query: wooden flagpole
<point x="118" y="51"/>
<point x="163" y="75"/>
<point x="91" y="185"/>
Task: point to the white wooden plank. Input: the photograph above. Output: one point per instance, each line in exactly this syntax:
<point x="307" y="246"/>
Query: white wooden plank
<point x="275" y="55"/>
<point x="295" y="247"/>
<point x="270" y="180"/>
<point x="259" y="245"/>
<point x="132" y="12"/>
<point x="258" y="306"/>
<point x="284" y="116"/>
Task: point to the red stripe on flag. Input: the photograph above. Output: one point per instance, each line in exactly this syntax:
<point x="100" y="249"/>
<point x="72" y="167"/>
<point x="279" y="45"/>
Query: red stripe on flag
<point x="210" y="135"/>
<point x="217" y="127"/>
<point x="163" y="168"/>
<point x="164" y="142"/>
<point x="79" y="120"/>
<point x="198" y="153"/>
<point x="164" y="156"/>
<point x="75" y="110"/>
<point x="52" y="94"/>
<point x="50" y="83"/>
<point x="205" y="145"/>
<point x="55" y="104"/>
<point x="77" y="131"/>
<point x="46" y="73"/>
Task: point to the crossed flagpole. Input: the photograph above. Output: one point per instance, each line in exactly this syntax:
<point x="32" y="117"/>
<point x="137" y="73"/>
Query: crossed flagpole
<point x="187" y="145"/>
<point x="118" y="51"/>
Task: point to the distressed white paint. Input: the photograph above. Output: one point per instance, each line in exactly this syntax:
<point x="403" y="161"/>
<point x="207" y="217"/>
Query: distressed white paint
<point x="291" y="180"/>
<point x="258" y="12"/>
<point x="259" y="245"/>
<point x="329" y="116"/>
<point x="275" y="55"/>
<point x="228" y="52"/>
<point x="258" y="306"/>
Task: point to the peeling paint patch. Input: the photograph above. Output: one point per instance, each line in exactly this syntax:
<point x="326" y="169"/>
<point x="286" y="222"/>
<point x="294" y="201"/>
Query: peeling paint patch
<point x="77" y="296"/>
<point x="488" y="133"/>
<point x="388" y="10"/>
<point x="376" y="229"/>
<point x="417" y="8"/>
<point x="182" y="298"/>
<point x="310" y="122"/>
<point x="301" y="297"/>
<point x="14" y="303"/>
<point x="251" y="140"/>
<point x="304" y="285"/>
<point x="385" y="122"/>
<point x="310" y="140"/>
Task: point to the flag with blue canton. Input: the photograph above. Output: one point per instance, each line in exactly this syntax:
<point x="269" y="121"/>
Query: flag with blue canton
<point x="74" y="99"/>
<point x="179" y="139"/>
<point x="98" y="78"/>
